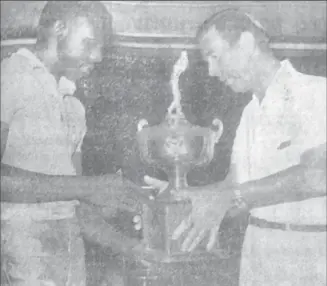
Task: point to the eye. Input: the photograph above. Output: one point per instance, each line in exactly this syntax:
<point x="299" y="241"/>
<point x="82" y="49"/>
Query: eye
<point x="215" y="57"/>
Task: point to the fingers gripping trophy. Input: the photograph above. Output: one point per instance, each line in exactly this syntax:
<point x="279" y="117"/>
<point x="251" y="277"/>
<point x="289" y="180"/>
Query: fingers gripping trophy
<point x="175" y="146"/>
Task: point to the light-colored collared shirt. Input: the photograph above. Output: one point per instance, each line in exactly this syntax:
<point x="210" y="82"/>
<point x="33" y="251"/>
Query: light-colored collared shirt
<point x="272" y="136"/>
<point x="45" y="126"/>
<point x="46" y="123"/>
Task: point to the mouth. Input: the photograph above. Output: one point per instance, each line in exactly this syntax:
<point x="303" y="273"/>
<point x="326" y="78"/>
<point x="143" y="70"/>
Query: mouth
<point x="231" y="80"/>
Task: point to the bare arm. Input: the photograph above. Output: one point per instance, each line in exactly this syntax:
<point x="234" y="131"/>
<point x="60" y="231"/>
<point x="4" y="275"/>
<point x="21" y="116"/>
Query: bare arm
<point x="300" y="182"/>
<point x="304" y="181"/>
<point x="21" y="186"/>
<point x="307" y="179"/>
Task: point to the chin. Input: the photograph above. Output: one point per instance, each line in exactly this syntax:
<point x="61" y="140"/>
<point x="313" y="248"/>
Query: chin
<point x="238" y="88"/>
<point x="235" y="88"/>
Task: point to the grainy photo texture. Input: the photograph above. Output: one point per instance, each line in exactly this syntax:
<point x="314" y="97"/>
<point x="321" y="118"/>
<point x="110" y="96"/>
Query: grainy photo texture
<point x="163" y="143"/>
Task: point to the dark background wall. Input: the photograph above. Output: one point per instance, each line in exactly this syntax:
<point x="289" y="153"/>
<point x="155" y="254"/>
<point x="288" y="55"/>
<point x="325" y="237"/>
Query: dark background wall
<point x="134" y="86"/>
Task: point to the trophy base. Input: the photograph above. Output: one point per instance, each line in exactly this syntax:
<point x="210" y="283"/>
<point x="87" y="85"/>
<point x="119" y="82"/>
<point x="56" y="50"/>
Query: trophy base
<point x="160" y="219"/>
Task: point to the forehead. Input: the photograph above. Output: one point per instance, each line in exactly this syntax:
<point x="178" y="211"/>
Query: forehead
<point x="85" y="28"/>
<point x="212" y="42"/>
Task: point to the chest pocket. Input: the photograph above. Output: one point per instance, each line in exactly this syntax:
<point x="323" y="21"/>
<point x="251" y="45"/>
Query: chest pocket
<point x="46" y="106"/>
<point x="42" y="124"/>
<point x="276" y="142"/>
<point x="74" y="121"/>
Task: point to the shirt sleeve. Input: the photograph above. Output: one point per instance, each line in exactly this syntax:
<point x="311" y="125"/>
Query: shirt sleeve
<point x="15" y="95"/>
<point x="311" y="109"/>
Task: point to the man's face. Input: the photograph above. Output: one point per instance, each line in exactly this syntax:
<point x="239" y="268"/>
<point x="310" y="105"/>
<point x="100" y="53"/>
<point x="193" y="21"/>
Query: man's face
<point x="80" y="48"/>
<point x="229" y="63"/>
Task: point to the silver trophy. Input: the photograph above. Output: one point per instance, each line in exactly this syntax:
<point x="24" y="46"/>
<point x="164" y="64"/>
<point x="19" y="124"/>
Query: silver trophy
<point x="175" y="146"/>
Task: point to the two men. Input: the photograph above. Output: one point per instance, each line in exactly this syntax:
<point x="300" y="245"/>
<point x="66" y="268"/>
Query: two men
<point x="278" y="161"/>
<point x="42" y="130"/>
<point x="278" y="165"/>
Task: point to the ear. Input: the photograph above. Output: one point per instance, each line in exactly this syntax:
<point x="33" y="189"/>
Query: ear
<point x="60" y="29"/>
<point x="247" y="43"/>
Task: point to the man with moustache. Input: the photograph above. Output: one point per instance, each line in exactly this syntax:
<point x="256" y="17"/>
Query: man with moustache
<point x="278" y="164"/>
<point x="42" y="130"/>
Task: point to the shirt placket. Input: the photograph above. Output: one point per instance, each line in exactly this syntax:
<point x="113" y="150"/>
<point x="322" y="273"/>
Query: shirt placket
<point x="64" y="122"/>
<point x="255" y="144"/>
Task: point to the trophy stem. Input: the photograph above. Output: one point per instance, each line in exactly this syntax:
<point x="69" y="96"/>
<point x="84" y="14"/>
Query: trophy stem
<point x="178" y="179"/>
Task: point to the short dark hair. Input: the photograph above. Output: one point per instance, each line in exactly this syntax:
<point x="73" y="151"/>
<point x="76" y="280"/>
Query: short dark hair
<point x="230" y="24"/>
<point x="54" y="11"/>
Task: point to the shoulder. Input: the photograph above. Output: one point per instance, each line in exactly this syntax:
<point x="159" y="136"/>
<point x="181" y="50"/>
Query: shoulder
<point x="17" y="72"/>
<point x="19" y="85"/>
<point x="310" y="82"/>
<point x="308" y="105"/>
<point x="309" y="91"/>
<point x="16" y="64"/>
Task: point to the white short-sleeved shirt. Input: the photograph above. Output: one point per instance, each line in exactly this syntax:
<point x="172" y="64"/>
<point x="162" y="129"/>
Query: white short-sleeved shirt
<point x="272" y="136"/>
<point x="46" y="126"/>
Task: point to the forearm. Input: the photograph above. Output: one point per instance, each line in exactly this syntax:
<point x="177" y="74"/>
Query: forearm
<point x="20" y="186"/>
<point x="294" y="184"/>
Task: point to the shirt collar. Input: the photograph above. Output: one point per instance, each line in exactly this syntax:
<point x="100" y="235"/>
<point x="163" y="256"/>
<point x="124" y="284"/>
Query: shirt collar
<point x="281" y="83"/>
<point x="64" y="86"/>
<point x="34" y="60"/>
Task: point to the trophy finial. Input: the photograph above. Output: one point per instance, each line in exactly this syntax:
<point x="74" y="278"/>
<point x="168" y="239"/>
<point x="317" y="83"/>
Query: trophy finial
<point x="179" y="67"/>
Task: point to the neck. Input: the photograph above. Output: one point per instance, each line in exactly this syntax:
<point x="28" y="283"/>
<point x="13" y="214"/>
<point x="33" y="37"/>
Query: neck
<point x="49" y="59"/>
<point x="265" y="72"/>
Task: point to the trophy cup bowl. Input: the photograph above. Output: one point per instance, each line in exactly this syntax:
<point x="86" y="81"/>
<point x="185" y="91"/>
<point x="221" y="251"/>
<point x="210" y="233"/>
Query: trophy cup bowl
<point x="175" y="146"/>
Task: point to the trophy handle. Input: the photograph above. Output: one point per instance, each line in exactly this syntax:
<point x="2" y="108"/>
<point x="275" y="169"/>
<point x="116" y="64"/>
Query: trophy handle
<point x="217" y="124"/>
<point x="217" y="129"/>
<point x="211" y="138"/>
<point x="143" y="139"/>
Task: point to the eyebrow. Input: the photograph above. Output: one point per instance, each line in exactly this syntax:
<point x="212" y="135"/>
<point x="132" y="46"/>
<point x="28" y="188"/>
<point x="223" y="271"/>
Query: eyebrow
<point x="206" y="53"/>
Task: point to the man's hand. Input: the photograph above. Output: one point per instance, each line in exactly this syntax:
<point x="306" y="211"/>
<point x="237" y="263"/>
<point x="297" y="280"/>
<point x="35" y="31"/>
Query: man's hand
<point x="208" y="210"/>
<point x="107" y="204"/>
<point x="156" y="184"/>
